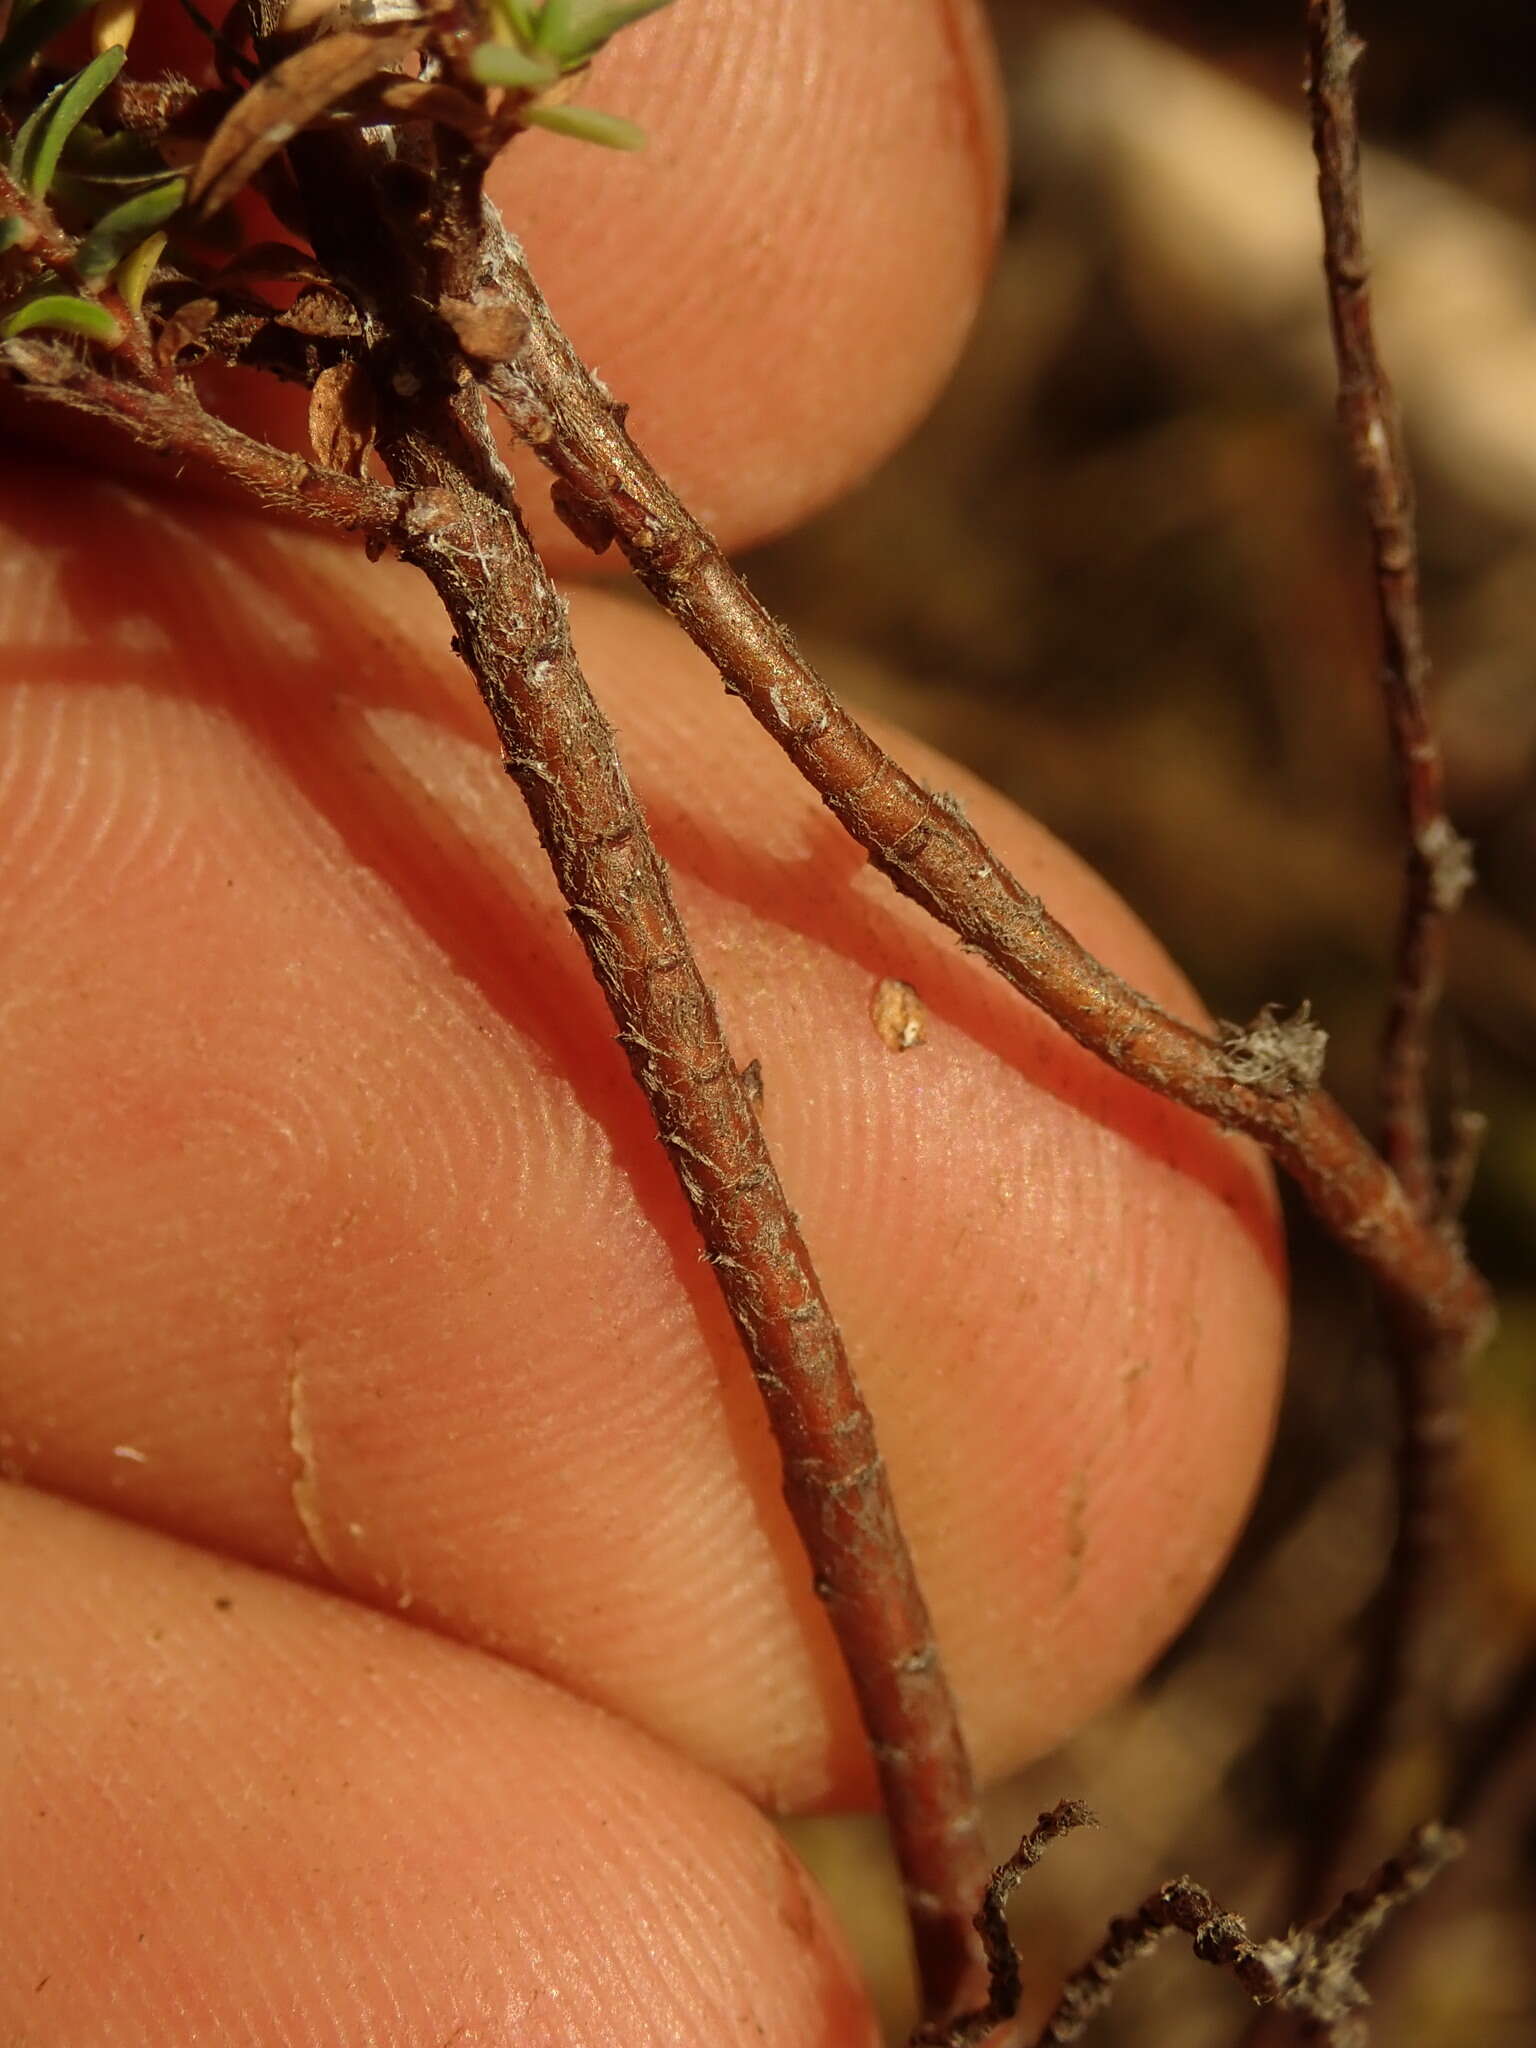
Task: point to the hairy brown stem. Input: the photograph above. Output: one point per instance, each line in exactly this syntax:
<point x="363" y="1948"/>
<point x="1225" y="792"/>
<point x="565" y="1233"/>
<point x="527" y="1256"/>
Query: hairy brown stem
<point x="1005" y="1976"/>
<point x="560" y="751"/>
<point x="172" y="422"/>
<point x="1438" y="866"/>
<point x="46" y="242"/>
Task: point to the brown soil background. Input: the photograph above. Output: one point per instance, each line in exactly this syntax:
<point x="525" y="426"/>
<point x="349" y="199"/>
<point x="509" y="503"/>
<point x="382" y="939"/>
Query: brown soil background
<point x="1120" y="574"/>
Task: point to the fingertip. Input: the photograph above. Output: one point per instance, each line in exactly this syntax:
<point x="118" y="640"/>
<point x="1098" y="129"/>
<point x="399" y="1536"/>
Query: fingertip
<point x="238" y="1809"/>
<point x="779" y="286"/>
<point x="342" y="1240"/>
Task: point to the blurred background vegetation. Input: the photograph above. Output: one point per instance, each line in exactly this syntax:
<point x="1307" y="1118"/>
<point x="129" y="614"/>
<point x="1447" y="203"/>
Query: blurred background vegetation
<point x="1142" y="611"/>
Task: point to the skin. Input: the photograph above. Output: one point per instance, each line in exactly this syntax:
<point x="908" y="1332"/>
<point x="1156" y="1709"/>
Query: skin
<point x="421" y="1620"/>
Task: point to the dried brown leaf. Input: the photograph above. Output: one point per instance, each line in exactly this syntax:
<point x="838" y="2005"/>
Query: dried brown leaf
<point x="342" y="421"/>
<point x="184" y="329"/>
<point x="489" y="329"/>
<point x="323" y="313"/>
<point x="287" y="99"/>
<point x="590" y="523"/>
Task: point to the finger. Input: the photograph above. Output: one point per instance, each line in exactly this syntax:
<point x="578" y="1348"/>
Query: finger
<point x="780" y="284"/>
<point x="342" y="1241"/>
<point x="239" y="1811"/>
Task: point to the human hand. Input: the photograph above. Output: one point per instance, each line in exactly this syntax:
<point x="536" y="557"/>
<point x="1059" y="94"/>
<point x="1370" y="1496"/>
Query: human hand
<point x="341" y="1246"/>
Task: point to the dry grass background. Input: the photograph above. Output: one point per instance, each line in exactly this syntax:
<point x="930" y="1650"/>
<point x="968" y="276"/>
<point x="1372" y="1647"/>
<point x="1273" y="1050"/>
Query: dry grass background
<point x="1119" y="573"/>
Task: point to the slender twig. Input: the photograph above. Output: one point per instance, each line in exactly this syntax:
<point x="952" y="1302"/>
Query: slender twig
<point x="463" y="530"/>
<point x="1263" y="1082"/>
<point x="933" y="855"/>
<point x="560" y="751"/>
<point x="1005" y="1976"/>
<point x="1429" y="1371"/>
<point x="1309" y="1974"/>
<point x="172" y="422"/>
<point x="1438" y="862"/>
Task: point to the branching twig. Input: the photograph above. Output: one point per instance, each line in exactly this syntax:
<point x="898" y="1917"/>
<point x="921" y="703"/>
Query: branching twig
<point x="1310" y="1973"/>
<point x="446" y="307"/>
<point x="172" y="422"/>
<point x="1005" y="1977"/>
<point x="934" y="856"/>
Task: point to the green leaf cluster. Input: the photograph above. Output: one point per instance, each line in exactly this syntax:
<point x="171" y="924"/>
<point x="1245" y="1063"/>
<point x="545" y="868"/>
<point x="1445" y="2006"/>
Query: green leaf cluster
<point x="119" y="193"/>
<point x="41" y="138"/>
<point x="536" y="45"/>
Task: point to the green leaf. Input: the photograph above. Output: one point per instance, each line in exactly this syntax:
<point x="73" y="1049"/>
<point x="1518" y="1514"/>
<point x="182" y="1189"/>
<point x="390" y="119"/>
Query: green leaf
<point x="552" y="29"/>
<point x="133" y="274"/>
<point x="586" y="124"/>
<point x="12" y="228"/>
<point x="500" y="64"/>
<point x="515" y="17"/>
<point x="595" y="22"/>
<point x="92" y="158"/>
<point x="36" y="156"/>
<point x="117" y="230"/>
<point x="56" y="309"/>
<point x="27" y="133"/>
<point x="33" y="32"/>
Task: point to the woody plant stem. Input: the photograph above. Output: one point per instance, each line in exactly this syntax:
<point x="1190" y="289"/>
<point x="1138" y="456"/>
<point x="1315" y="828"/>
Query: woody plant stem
<point x="463" y="529"/>
<point x="934" y="856"/>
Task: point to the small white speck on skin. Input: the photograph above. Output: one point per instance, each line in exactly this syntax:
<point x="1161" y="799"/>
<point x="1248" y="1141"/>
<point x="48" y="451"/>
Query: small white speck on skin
<point x="134" y="1457"/>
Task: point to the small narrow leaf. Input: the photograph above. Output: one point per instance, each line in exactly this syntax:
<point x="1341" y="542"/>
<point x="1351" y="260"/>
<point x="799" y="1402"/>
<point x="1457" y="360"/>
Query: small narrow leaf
<point x="552" y="27"/>
<point x="69" y="109"/>
<point x="55" y="309"/>
<point x="596" y="24"/>
<point x="500" y="64"/>
<point x="117" y="231"/>
<point x="13" y="229"/>
<point x="33" y="32"/>
<point x="586" y="124"/>
<point x="516" y="17"/>
<point x="27" y="134"/>
<point x="133" y="274"/>
<point x="122" y="158"/>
